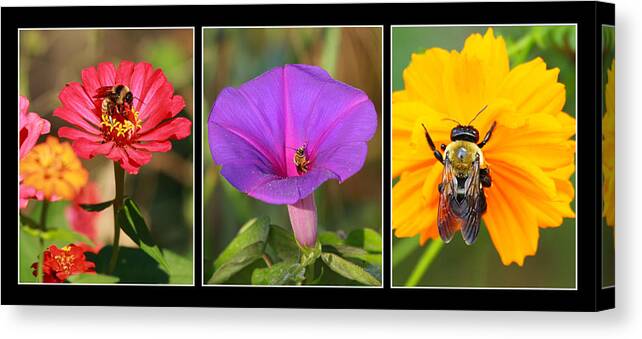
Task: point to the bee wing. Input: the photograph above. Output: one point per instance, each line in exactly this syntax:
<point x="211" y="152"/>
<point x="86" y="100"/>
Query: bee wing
<point x="446" y="220"/>
<point x="476" y="204"/>
<point x="103" y="92"/>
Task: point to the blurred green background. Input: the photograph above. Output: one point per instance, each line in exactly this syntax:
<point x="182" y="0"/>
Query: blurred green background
<point x="234" y="56"/>
<point x="163" y="188"/>
<point x="479" y="265"/>
<point x="608" y="233"/>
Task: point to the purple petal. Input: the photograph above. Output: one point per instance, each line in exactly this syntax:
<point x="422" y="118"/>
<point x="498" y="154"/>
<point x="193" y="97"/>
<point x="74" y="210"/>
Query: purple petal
<point x="254" y="131"/>
<point x="303" y="217"/>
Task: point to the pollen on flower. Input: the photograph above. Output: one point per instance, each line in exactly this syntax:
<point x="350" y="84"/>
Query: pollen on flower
<point x="120" y="127"/>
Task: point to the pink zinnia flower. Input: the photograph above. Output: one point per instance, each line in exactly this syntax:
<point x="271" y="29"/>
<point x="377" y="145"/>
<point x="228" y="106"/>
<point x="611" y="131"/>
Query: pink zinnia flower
<point x="31" y="126"/>
<point x="83" y="221"/>
<point x="128" y="136"/>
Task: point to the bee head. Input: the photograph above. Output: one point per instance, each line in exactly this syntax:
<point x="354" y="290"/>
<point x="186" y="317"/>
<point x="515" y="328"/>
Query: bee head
<point x="465" y="133"/>
<point x="129" y="98"/>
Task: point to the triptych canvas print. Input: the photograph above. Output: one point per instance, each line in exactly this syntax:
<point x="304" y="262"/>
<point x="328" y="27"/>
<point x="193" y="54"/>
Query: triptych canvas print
<point x="369" y="162"/>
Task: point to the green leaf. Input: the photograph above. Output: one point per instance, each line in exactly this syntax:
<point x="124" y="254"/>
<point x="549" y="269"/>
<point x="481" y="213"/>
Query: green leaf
<point x="181" y="268"/>
<point x="87" y="278"/>
<point x="310" y="254"/>
<point x="254" y="231"/>
<point x="27" y="221"/>
<point x="359" y="253"/>
<point x="283" y="244"/>
<point x="365" y="238"/>
<point x="63" y="235"/>
<point x="283" y="273"/>
<point x="29" y="251"/>
<point x="236" y="263"/>
<point x="133" y="223"/>
<point x="329" y="238"/>
<point x="247" y="247"/>
<point x="349" y="270"/>
<point x="134" y="266"/>
<point x="96" y="207"/>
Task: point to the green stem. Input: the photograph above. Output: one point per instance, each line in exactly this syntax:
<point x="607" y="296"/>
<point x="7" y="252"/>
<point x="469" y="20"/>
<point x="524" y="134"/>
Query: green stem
<point x="310" y="273"/>
<point x="43" y="228"/>
<point x="119" y="178"/>
<point x="43" y="215"/>
<point x="267" y="260"/>
<point x="426" y="259"/>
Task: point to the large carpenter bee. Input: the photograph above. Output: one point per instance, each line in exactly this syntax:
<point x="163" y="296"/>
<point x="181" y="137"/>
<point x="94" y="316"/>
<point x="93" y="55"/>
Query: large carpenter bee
<point x="115" y="99"/>
<point x="461" y="191"/>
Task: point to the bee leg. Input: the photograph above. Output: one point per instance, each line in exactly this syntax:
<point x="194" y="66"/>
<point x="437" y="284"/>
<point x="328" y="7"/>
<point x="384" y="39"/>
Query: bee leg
<point x="484" y="177"/>
<point x="488" y="135"/>
<point x="438" y="155"/>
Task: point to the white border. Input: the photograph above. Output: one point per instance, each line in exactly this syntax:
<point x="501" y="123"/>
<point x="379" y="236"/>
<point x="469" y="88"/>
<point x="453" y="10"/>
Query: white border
<point x="193" y="29"/>
<point x="603" y="103"/>
<point x="383" y="126"/>
<point x="392" y="286"/>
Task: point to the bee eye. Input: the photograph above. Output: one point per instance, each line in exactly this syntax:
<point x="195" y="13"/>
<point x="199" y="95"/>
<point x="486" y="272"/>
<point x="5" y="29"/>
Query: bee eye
<point x="129" y="97"/>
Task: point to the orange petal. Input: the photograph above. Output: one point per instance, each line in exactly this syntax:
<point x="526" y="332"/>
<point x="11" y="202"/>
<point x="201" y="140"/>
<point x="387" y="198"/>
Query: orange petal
<point x="511" y="222"/>
<point x="534" y="89"/>
<point x="492" y="53"/>
<point x="423" y="78"/>
<point x="411" y="212"/>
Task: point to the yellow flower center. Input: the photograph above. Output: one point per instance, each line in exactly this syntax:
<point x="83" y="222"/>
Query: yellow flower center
<point x="120" y="127"/>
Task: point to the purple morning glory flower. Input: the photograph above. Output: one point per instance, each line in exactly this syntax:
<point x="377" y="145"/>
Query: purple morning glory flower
<point x="281" y="135"/>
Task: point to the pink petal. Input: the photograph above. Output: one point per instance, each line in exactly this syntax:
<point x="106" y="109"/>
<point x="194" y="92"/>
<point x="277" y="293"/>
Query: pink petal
<point x="176" y="129"/>
<point x="90" y="80"/>
<point x="157" y="109"/>
<point x="124" y="73"/>
<point x="142" y="70"/>
<point x="150" y="93"/>
<point x="154" y="146"/>
<point x="74" y="98"/>
<point x="178" y="103"/>
<point x="106" y="74"/>
<point x="138" y="157"/>
<point x="73" y="134"/>
<point x="74" y="118"/>
<point x="32" y="127"/>
<point x="87" y="149"/>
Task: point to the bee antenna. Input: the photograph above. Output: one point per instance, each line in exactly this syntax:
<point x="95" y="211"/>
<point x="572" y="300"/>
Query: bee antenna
<point x="453" y="120"/>
<point x="140" y="100"/>
<point x="478" y="113"/>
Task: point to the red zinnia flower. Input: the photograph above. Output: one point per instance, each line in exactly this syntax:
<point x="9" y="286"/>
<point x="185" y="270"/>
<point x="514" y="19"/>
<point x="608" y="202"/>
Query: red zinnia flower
<point x="129" y="133"/>
<point x="60" y="263"/>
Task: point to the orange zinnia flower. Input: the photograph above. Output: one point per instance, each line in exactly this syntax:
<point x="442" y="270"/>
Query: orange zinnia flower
<point x="54" y="169"/>
<point x="530" y="155"/>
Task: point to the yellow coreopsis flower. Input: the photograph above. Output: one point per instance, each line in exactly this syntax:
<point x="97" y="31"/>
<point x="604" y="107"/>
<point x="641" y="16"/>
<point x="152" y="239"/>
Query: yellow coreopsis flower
<point x="608" y="147"/>
<point x="53" y="169"/>
<point x="530" y="155"/>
